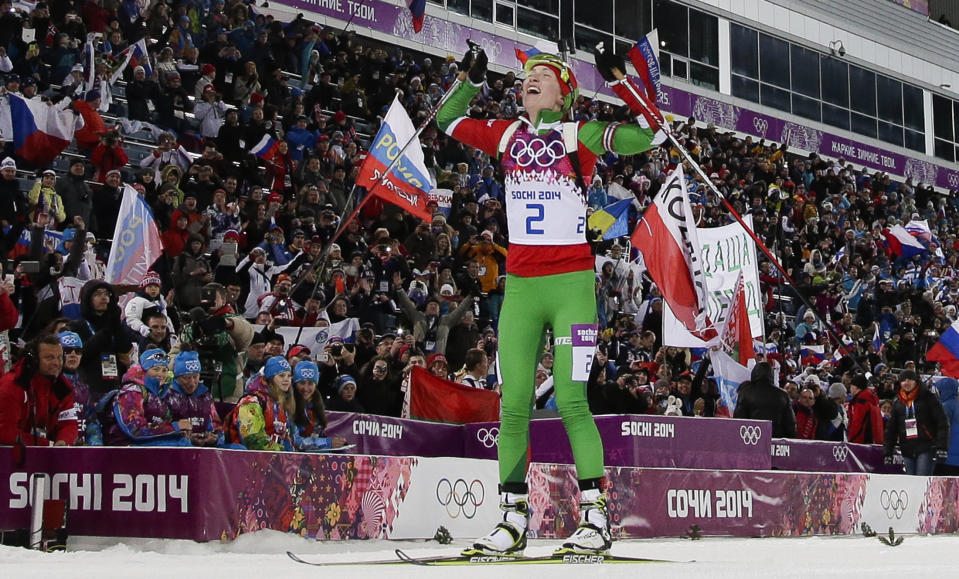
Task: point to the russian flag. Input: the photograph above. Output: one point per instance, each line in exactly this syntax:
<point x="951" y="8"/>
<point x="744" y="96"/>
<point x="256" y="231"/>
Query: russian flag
<point x="266" y="147"/>
<point x="139" y="57"/>
<point x="524" y="55"/>
<point x="418" y="10"/>
<point x="876" y="341"/>
<point x="40" y="131"/>
<point x="901" y="243"/>
<point x="136" y="241"/>
<point x="812" y="354"/>
<point x="946" y="351"/>
<point x="408" y="183"/>
<point x="645" y="58"/>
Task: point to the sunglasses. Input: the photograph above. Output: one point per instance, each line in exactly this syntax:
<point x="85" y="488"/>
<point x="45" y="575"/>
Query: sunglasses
<point x="72" y="350"/>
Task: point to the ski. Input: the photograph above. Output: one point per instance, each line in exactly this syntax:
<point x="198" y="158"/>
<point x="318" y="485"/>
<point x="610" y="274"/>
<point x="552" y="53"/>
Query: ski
<point x="568" y="559"/>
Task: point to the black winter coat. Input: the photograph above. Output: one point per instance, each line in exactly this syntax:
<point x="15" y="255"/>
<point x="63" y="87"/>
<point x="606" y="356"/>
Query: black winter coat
<point x="760" y="399"/>
<point x="931" y="421"/>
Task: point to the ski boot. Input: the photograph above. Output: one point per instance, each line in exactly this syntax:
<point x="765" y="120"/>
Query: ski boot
<point x="593" y="536"/>
<point x="508" y="538"/>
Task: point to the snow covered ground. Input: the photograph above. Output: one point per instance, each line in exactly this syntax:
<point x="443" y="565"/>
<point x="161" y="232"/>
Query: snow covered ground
<point x="263" y="555"/>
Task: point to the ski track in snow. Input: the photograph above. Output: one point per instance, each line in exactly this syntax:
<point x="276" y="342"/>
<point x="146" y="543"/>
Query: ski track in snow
<point x="263" y="554"/>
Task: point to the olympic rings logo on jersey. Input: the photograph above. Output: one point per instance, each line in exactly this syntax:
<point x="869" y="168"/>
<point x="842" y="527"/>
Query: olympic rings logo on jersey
<point x="525" y="153"/>
<point x="894" y="503"/>
<point x="840" y="452"/>
<point x="488" y="437"/>
<point x="460" y="497"/>
<point x="750" y="434"/>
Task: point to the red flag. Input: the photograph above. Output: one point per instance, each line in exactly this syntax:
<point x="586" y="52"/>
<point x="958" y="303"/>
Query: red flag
<point x="667" y="237"/>
<point x="737" y="336"/>
<point x="433" y="398"/>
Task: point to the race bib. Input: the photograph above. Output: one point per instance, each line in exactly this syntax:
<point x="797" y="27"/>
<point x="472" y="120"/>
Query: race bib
<point x="543" y="213"/>
<point x="583" y="339"/>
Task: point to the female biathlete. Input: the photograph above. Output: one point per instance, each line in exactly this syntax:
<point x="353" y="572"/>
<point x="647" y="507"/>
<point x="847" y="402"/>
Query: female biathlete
<point x="546" y="161"/>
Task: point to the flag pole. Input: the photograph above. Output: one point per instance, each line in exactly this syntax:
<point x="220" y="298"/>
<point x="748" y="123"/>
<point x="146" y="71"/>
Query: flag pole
<point x="656" y="126"/>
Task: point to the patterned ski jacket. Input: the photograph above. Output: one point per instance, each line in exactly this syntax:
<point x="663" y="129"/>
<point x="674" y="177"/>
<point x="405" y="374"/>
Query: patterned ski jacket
<point x="545" y="205"/>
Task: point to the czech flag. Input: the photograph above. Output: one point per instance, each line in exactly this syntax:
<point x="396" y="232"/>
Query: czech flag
<point x="612" y="220"/>
<point x="40" y="131"/>
<point x="266" y="147"/>
<point x="946" y="351"/>
<point x="408" y="183"/>
<point x="901" y="243"/>
<point x="645" y="58"/>
<point x="418" y="10"/>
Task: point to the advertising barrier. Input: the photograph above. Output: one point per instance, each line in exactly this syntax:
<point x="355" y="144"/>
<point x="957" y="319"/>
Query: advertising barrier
<point x="211" y="494"/>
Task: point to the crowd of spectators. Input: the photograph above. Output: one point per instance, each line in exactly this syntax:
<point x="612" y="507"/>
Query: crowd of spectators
<point x="245" y="236"/>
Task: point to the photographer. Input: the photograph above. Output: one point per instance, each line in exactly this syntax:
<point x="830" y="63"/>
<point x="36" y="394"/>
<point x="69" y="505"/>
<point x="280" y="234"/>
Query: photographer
<point x="217" y="333"/>
<point x="108" y="155"/>
<point x="340" y="359"/>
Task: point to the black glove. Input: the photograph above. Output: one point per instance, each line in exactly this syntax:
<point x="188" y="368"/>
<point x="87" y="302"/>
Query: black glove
<point x="213" y="325"/>
<point x="607" y="60"/>
<point x="941" y="455"/>
<point x="475" y="62"/>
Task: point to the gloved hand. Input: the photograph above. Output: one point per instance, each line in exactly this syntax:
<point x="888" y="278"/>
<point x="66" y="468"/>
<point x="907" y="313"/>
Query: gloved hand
<point x="213" y="325"/>
<point x="941" y="455"/>
<point x="607" y="60"/>
<point x="889" y="459"/>
<point x="477" y="70"/>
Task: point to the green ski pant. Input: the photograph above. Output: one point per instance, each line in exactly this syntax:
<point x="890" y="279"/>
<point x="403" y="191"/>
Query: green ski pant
<point x="531" y="305"/>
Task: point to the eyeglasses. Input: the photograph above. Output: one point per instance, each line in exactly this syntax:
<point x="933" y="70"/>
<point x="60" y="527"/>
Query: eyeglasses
<point x="73" y="350"/>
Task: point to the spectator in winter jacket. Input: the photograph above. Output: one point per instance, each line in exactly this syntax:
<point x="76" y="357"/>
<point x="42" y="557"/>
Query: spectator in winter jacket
<point x="806" y="422"/>
<point x="108" y="155"/>
<point x="139" y="91"/>
<point x="310" y="416"/>
<point x="760" y="399"/>
<point x="865" y="420"/>
<point x="430" y="329"/>
<point x="918" y="425"/>
<point x="36" y="401"/>
<point x="191" y="270"/>
<point x="344" y="397"/>
<point x="261" y="419"/>
<point x="76" y="194"/>
<point x="147" y="299"/>
<point x="140" y="412"/>
<point x="189" y="399"/>
<point x="93" y="126"/>
<point x="43" y="198"/>
<point x="106" y="343"/>
<point x="88" y="428"/>
<point x="210" y="110"/>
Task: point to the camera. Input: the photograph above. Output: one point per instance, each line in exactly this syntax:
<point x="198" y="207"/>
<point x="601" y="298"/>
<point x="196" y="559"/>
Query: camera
<point x="207" y="297"/>
<point x="111" y="138"/>
<point x="336" y="350"/>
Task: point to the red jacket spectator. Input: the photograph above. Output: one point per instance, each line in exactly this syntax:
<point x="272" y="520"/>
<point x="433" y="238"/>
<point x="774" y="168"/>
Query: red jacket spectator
<point x="865" y="419"/>
<point x="93" y="126"/>
<point x="36" y="405"/>
<point x="8" y="311"/>
<point x="174" y="238"/>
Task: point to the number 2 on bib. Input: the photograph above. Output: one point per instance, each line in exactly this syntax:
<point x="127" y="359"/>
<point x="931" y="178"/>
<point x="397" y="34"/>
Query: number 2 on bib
<point x="536" y="218"/>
